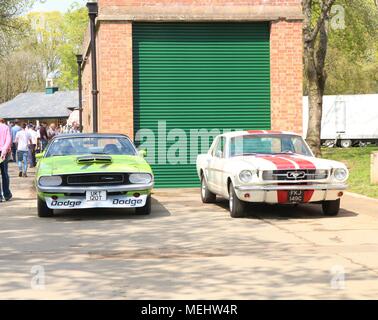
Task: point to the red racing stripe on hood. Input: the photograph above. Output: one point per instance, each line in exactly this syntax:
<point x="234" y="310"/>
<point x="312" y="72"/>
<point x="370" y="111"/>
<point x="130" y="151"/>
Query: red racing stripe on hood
<point x="302" y="163"/>
<point x="279" y="162"/>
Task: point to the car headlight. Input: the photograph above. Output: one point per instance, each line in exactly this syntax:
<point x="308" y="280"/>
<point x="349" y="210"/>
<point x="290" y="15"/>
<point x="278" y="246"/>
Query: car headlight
<point x="246" y="175"/>
<point x="340" y="174"/>
<point x="140" y="178"/>
<point x="51" y="181"/>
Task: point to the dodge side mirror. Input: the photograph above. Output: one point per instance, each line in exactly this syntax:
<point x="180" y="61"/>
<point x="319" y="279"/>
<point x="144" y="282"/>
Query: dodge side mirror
<point x="39" y="156"/>
<point x="142" y="153"/>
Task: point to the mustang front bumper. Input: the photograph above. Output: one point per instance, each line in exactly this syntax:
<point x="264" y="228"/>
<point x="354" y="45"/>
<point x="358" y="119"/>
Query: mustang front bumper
<point x="293" y="187"/>
<point x="279" y="193"/>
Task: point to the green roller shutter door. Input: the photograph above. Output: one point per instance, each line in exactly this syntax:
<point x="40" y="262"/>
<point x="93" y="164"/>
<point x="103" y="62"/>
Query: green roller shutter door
<point x="199" y="76"/>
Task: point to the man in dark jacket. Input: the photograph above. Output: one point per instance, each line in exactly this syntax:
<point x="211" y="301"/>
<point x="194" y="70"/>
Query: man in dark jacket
<point x="43" y="136"/>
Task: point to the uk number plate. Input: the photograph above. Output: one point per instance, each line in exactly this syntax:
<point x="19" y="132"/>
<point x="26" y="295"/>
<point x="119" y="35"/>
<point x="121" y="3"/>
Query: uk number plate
<point x="295" y="196"/>
<point x="94" y="196"/>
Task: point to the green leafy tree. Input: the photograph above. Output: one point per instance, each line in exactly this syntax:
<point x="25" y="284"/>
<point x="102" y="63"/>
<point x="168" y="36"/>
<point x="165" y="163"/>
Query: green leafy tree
<point x="10" y="23"/>
<point x="352" y="62"/>
<point x="340" y="53"/>
<point x="74" y="24"/>
<point x="46" y="46"/>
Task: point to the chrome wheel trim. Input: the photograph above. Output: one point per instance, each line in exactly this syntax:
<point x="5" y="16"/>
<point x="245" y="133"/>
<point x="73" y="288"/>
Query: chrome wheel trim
<point x="231" y="200"/>
<point x="203" y="188"/>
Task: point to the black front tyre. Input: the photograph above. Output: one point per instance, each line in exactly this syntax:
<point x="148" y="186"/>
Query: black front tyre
<point x="237" y="207"/>
<point x="43" y="210"/>
<point x="206" y="195"/>
<point x="331" y="208"/>
<point x="146" y="210"/>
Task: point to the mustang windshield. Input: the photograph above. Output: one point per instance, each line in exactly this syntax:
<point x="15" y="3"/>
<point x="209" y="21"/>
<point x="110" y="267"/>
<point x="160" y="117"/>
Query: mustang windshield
<point x="90" y="145"/>
<point x="268" y="144"/>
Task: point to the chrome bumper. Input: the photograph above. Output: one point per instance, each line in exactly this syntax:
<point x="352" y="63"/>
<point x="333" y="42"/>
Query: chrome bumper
<point x="72" y="189"/>
<point x="291" y="187"/>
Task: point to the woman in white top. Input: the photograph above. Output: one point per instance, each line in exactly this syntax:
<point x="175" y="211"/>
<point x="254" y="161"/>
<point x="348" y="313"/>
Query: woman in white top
<point x="23" y="139"/>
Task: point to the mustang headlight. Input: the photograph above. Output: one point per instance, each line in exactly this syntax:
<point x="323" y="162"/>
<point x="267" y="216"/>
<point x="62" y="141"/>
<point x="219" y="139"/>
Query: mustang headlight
<point x="140" y="178"/>
<point x="246" y="175"/>
<point x="52" y="181"/>
<point x="340" y="174"/>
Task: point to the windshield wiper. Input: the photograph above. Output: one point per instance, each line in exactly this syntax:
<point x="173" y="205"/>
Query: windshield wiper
<point x="98" y="153"/>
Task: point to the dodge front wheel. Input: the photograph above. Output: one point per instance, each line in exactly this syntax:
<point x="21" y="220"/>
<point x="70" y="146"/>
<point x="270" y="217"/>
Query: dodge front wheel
<point x="43" y="210"/>
<point x="146" y="210"/>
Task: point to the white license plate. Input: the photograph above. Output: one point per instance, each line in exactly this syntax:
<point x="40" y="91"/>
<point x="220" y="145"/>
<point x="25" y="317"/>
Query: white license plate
<point x="96" y="196"/>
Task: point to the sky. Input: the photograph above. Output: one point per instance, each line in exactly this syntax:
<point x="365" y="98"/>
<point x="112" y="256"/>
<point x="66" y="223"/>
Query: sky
<point x="55" y="5"/>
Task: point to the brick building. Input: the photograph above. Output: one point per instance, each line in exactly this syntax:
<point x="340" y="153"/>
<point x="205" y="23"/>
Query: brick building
<point x="227" y="64"/>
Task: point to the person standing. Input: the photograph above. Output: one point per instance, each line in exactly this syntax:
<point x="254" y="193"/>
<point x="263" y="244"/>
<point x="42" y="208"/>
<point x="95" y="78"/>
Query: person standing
<point x="32" y="147"/>
<point x="5" y="151"/>
<point x="74" y="128"/>
<point x="43" y="136"/>
<point x="52" y="131"/>
<point x="16" y="128"/>
<point x="23" y="140"/>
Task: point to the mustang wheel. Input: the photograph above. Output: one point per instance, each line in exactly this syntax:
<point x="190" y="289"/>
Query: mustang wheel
<point x="206" y="195"/>
<point x="331" y="208"/>
<point x="43" y="210"/>
<point x="237" y="207"/>
<point x="146" y="210"/>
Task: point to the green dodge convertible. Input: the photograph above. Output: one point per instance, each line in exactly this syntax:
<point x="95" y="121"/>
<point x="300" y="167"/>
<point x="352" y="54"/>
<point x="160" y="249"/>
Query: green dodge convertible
<point x="80" y="171"/>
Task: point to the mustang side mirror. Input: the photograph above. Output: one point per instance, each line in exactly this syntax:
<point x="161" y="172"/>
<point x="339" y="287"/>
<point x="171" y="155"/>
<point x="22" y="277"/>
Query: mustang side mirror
<point x="219" y="154"/>
<point x="142" y="153"/>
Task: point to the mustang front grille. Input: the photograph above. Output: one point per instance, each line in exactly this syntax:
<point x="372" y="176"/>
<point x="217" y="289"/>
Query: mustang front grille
<point x="295" y="175"/>
<point x="95" y="179"/>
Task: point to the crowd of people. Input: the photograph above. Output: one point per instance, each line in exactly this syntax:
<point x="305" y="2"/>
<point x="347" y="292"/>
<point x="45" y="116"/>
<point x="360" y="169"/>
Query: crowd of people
<point x="19" y="142"/>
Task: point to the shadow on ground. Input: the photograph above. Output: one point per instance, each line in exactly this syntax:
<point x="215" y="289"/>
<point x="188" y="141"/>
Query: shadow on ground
<point x="289" y="211"/>
<point x="158" y="211"/>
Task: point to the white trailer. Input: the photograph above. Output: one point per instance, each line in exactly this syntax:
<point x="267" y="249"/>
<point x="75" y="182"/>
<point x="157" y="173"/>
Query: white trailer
<point x="347" y="119"/>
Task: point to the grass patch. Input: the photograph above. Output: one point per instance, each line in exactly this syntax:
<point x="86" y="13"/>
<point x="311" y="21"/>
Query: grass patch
<point x="358" y="162"/>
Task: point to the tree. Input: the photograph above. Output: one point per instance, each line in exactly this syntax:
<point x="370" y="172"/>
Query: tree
<point x="352" y="61"/>
<point x="352" y="50"/>
<point x="46" y="47"/>
<point x="10" y="23"/>
<point x="75" y="22"/>
<point x="315" y="37"/>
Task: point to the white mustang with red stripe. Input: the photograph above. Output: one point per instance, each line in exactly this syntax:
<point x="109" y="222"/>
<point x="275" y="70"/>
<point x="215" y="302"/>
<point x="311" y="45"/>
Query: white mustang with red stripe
<point x="271" y="167"/>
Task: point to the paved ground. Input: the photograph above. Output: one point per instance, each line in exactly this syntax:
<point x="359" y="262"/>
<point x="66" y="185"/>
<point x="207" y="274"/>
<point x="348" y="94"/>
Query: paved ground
<point x="188" y="250"/>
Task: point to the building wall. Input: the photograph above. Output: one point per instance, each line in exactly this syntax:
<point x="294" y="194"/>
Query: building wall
<point x="87" y="95"/>
<point x="115" y="55"/>
<point x="286" y="72"/>
<point x="116" y="77"/>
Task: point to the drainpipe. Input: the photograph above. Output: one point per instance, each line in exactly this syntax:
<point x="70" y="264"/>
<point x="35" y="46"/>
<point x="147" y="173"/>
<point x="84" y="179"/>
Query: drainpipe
<point x="79" y="59"/>
<point x="93" y="12"/>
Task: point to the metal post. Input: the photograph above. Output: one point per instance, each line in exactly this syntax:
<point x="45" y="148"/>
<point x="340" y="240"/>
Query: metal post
<point x="93" y="12"/>
<point x="79" y="59"/>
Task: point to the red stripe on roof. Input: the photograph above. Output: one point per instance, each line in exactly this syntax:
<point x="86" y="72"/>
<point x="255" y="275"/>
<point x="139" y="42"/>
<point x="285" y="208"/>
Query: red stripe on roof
<point x="255" y="131"/>
<point x="264" y="131"/>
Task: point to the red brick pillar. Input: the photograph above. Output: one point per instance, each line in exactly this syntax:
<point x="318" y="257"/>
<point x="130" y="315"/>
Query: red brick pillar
<point x="115" y="65"/>
<point x="286" y="75"/>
